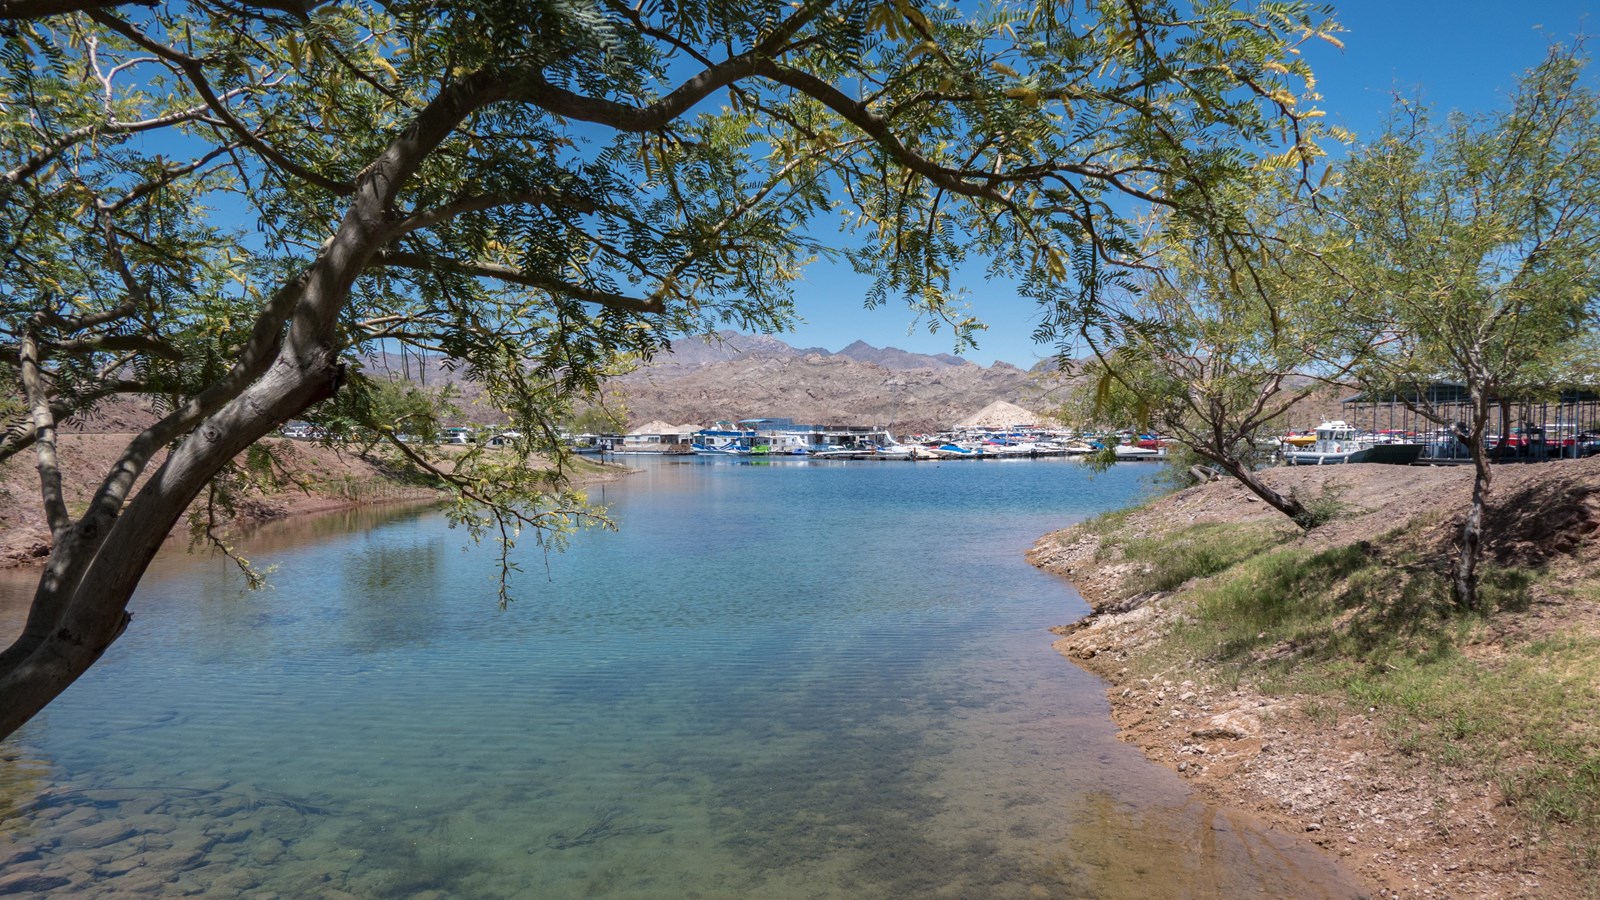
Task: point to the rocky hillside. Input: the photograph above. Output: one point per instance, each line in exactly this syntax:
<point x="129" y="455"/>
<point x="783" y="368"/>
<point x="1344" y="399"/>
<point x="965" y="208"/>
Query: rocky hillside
<point x="734" y="376"/>
<point x="751" y="377"/>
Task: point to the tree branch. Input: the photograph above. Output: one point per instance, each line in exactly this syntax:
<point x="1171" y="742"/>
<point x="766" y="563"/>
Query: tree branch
<point x="44" y="430"/>
<point x="168" y="176"/>
<point x="79" y="135"/>
<point x="513" y="275"/>
<point x="18" y="10"/>
<point x="533" y="88"/>
<point x="479" y="202"/>
<point x="120" y="343"/>
<point x="194" y="70"/>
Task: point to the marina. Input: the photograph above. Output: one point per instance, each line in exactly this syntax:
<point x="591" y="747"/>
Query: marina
<point x="1000" y="431"/>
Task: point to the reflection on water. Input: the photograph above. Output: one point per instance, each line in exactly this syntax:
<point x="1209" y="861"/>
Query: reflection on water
<point x="780" y="681"/>
<point x="277" y="535"/>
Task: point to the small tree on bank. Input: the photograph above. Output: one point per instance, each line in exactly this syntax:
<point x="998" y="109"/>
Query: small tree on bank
<point x="1477" y="247"/>
<point x="228" y="207"/>
<point x="1214" y="353"/>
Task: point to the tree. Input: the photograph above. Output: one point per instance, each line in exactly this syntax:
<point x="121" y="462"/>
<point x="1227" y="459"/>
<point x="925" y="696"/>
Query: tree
<point x="1478" y="245"/>
<point x="1213" y="352"/>
<point x="391" y="406"/>
<point x="227" y="206"/>
<point x="605" y="416"/>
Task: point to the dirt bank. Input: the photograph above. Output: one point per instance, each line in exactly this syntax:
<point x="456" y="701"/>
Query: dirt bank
<point x="1240" y="727"/>
<point x="309" y="478"/>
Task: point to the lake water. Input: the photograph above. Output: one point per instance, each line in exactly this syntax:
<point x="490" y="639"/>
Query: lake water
<point x="785" y="680"/>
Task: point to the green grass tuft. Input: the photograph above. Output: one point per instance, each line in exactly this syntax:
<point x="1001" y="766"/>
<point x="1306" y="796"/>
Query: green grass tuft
<point x="1199" y="551"/>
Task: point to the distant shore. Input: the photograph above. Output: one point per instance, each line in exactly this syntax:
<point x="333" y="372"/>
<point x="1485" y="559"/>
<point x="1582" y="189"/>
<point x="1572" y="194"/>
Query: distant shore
<point x="317" y="479"/>
<point x="1402" y="758"/>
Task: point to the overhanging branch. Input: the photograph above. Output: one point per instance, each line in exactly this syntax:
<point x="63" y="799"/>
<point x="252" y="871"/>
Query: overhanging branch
<point x="514" y="275"/>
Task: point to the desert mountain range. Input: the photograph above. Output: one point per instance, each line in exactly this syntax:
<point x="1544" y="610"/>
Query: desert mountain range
<point x="732" y="376"/>
<point x="737" y="376"/>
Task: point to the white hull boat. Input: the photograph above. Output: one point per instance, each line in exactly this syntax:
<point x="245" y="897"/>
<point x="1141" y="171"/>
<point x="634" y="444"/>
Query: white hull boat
<point x="1130" y="452"/>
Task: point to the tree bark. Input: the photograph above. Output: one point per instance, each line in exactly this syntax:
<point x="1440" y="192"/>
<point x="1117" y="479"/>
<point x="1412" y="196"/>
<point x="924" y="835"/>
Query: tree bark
<point x="1464" y="577"/>
<point x="1289" y="506"/>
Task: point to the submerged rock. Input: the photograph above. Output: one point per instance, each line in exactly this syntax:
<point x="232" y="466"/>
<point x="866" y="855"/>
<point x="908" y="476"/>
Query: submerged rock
<point x="100" y="834"/>
<point x="31" y="882"/>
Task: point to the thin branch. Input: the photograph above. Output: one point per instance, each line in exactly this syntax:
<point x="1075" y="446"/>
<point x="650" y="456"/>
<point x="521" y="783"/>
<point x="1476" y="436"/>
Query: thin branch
<point x="44" y="430"/>
<point x="79" y="135"/>
<point x="169" y="175"/>
<point x="479" y="202"/>
<point x="17" y="10"/>
<point x="514" y="275"/>
<point x="194" y="70"/>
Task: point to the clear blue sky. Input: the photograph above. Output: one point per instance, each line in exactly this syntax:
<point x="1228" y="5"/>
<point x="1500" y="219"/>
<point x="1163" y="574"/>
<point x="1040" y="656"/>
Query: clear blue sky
<point x="1453" y="54"/>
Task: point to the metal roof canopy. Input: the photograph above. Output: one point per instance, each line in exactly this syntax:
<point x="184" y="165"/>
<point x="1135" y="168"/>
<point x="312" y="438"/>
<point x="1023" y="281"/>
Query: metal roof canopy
<point x="1449" y="393"/>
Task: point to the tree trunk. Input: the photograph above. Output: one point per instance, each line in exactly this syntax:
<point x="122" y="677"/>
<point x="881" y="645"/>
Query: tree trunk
<point x="1465" y="583"/>
<point x="1505" y="431"/>
<point x="1289" y="506"/>
<point x="80" y="607"/>
<point x="87" y="613"/>
<point x="1464" y="577"/>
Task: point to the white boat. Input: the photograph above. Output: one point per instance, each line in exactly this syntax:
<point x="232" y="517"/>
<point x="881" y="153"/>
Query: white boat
<point x="1134" y="451"/>
<point x="1336" y="442"/>
<point x="1011" y="449"/>
<point x="841" y="453"/>
<point x="893" y="449"/>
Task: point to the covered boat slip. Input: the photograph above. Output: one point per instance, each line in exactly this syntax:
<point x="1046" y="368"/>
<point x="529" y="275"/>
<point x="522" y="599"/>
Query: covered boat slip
<point x="1562" y="425"/>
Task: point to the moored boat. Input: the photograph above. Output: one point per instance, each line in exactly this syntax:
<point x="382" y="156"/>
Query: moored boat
<point x="1338" y="442"/>
<point x="1134" y="451"/>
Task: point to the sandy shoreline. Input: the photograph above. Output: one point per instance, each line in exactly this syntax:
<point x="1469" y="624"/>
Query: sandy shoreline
<point x="1409" y="829"/>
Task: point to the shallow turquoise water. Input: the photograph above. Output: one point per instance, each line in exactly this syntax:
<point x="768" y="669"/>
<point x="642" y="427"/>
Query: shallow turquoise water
<point x="784" y="680"/>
